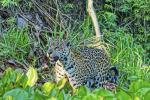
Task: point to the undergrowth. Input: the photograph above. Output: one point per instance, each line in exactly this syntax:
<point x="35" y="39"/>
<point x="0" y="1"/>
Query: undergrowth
<point x="15" y="86"/>
<point x="128" y="56"/>
<point x="14" y="44"/>
<point x="127" y="41"/>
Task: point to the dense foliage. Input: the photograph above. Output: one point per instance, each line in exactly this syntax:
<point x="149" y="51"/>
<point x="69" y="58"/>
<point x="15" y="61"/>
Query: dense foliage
<point x="126" y="28"/>
<point x="15" y="86"/>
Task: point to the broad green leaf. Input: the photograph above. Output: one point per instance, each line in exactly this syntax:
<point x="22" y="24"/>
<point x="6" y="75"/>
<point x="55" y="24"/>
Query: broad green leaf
<point x="103" y="92"/>
<point x="147" y="96"/>
<point x="32" y="76"/>
<point x="16" y="94"/>
<point x="8" y="98"/>
<point x="30" y="90"/>
<point x="61" y="95"/>
<point x="23" y="81"/>
<point x="47" y="87"/>
<point x="122" y="95"/>
<point x="90" y="97"/>
<point x="9" y="76"/>
<point x="54" y="92"/>
<point x="136" y="85"/>
<point x="142" y="92"/>
<point x="38" y="95"/>
<point x="136" y="98"/>
<point x="19" y="74"/>
<point x="82" y="91"/>
<point x="109" y="98"/>
<point x="133" y="78"/>
<point x="52" y="98"/>
<point x="62" y="83"/>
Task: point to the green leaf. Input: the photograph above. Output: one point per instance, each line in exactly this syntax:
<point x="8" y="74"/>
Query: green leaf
<point x="124" y="8"/>
<point x="147" y="96"/>
<point x="52" y="98"/>
<point x="133" y="78"/>
<point x="47" y="87"/>
<point x="122" y="95"/>
<point x="23" y="81"/>
<point x="8" y="98"/>
<point x="103" y="92"/>
<point x="82" y="91"/>
<point x="16" y="94"/>
<point x="62" y="95"/>
<point x="38" y="95"/>
<point x="54" y="92"/>
<point x="62" y="83"/>
<point x="143" y="91"/>
<point x="136" y="85"/>
<point x="90" y="97"/>
<point x="9" y="76"/>
<point x="32" y="76"/>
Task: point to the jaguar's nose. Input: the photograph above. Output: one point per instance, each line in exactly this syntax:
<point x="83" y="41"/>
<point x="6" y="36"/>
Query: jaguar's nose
<point x="54" y="58"/>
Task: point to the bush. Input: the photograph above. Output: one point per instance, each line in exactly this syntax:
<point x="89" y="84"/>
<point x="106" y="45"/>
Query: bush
<point x="15" y="86"/>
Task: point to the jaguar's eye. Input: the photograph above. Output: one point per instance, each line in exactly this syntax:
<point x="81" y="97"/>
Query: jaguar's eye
<point x="50" y="51"/>
<point x="56" y="47"/>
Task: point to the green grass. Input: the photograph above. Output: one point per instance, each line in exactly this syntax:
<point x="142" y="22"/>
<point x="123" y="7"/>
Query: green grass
<point x="127" y="52"/>
<point x="129" y="57"/>
<point x="124" y="52"/>
<point x="8" y="2"/>
<point x="14" y="44"/>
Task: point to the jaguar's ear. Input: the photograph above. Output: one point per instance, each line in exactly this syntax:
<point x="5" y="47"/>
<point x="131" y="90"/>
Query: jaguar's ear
<point x="65" y="44"/>
<point x="50" y="45"/>
<point x="57" y="41"/>
<point x="68" y="44"/>
<point x="115" y="70"/>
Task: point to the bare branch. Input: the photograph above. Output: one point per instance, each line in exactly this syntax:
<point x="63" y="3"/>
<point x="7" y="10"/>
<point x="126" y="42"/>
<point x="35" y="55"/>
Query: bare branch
<point x="92" y="13"/>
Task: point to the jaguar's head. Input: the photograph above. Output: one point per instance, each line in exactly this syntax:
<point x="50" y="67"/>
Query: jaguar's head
<point x="113" y="75"/>
<point x="58" y="50"/>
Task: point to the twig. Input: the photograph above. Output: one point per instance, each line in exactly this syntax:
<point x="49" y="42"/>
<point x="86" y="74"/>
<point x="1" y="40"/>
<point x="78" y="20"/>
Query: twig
<point x="44" y="12"/>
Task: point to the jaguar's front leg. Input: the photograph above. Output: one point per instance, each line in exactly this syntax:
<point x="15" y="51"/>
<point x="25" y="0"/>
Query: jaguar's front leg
<point x="73" y="83"/>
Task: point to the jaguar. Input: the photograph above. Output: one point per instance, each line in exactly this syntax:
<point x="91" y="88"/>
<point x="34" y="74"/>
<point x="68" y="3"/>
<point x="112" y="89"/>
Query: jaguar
<point x="82" y="66"/>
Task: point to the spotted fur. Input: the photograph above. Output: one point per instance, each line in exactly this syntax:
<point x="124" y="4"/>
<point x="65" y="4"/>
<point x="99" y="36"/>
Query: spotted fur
<point x="82" y="66"/>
